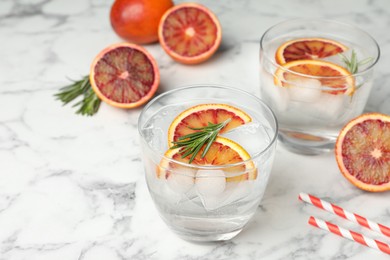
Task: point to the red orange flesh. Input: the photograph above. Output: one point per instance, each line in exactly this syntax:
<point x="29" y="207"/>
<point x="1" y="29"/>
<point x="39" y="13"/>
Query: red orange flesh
<point x="307" y="49"/>
<point x="363" y="152"/>
<point x="221" y="153"/>
<point x="201" y="115"/>
<point x="124" y="75"/>
<point x="190" y="33"/>
<point x="329" y="74"/>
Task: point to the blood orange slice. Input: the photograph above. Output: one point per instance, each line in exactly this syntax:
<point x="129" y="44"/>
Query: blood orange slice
<point x="363" y="152"/>
<point x="307" y="49"/>
<point x="329" y="74"/>
<point x="124" y="75"/>
<point x="222" y="152"/>
<point x="200" y="115"/>
<point x="189" y="33"/>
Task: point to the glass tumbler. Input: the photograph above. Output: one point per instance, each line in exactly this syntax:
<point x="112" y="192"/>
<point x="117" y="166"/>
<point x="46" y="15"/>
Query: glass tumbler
<point x="311" y="106"/>
<point x="210" y="202"/>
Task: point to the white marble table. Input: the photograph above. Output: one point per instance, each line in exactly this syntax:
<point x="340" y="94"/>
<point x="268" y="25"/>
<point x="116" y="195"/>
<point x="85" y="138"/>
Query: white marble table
<point x="72" y="187"/>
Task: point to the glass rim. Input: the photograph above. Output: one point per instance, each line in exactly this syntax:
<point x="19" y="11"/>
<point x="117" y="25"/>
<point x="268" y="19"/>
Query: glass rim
<point x="214" y="167"/>
<point x="272" y="60"/>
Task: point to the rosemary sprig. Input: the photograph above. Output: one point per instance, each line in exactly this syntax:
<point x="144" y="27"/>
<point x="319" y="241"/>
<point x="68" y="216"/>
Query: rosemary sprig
<point x="90" y="103"/>
<point x="352" y="64"/>
<point x="192" y="143"/>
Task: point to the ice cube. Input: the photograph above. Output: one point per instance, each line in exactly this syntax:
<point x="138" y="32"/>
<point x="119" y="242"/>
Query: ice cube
<point x="276" y="95"/>
<point x="155" y="137"/>
<point x="170" y="195"/>
<point x="210" y="185"/>
<point x="238" y="190"/>
<point x="253" y="137"/>
<point x="212" y="202"/>
<point x="181" y="182"/>
<point x="304" y="89"/>
<point x="234" y="191"/>
<point x="210" y="182"/>
<point x="328" y="107"/>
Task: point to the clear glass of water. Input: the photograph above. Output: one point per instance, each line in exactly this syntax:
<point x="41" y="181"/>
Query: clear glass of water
<point x="311" y="110"/>
<point x="197" y="202"/>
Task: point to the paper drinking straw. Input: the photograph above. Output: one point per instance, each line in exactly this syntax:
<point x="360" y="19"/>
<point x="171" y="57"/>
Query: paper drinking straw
<point x="372" y="243"/>
<point x="322" y="204"/>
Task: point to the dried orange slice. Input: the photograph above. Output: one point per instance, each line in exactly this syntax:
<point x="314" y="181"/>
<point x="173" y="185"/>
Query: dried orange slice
<point x="189" y="33"/>
<point x="329" y="74"/>
<point x="222" y="152"/>
<point x="200" y="115"/>
<point x="124" y="75"/>
<point x="363" y="152"/>
<point x="307" y="49"/>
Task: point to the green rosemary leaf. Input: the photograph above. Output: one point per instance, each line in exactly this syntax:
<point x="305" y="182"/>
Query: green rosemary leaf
<point x="192" y="143"/>
<point x="352" y="64"/>
<point x="210" y="142"/>
<point x="189" y="136"/>
<point x="90" y="103"/>
<point x="195" y="152"/>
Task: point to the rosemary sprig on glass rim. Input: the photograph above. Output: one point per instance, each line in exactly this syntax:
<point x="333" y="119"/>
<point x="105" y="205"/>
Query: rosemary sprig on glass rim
<point x="352" y="64"/>
<point x="89" y="104"/>
<point x="192" y="143"/>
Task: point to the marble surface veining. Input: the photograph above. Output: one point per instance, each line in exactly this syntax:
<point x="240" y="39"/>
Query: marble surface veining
<point x="73" y="187"/>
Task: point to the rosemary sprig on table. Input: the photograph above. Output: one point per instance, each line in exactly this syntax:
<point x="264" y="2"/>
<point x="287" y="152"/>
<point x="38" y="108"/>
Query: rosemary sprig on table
<point x="90" y="103"/>
<point x="352" y="64"/>
<point x="192" y="143"/>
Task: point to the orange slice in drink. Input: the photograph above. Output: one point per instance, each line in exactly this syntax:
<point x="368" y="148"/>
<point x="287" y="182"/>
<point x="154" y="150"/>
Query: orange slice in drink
<point x="363" y="152"/>
<point x="200" y="115"/>
<point x="307" y="49"/>
<point x="223" y="152"/>
<point x="189" y="33"/>
<point x="329" y="74"/>
<point x="124" y="75"/>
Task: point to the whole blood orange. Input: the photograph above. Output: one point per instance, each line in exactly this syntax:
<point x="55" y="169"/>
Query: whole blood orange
<point x="124" y="75"/>
<point x="200" y="115"/>
<point x="190" y="33"/>
<point x="307" y="49"/>
<point x="137" y="20"/>
<point x="363" y="152"/>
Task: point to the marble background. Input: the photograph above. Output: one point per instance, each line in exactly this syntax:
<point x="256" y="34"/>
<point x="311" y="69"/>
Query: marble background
<point x="72" y="187"/>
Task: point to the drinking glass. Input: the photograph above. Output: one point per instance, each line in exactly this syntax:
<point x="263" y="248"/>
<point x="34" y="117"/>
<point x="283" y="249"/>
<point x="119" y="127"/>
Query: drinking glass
<point x="311" y="110"/>
<point x="207" y="203"/>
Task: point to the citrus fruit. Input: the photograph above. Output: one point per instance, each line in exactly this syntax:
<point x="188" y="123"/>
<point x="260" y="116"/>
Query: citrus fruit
<point x="200" y="115"/>
<point x="363" y="152"/>
<point x="329" y="74"/>
<point x="124" y="75"/>
<point x="189" y="33"/>
<point x="222" y="152"/>
<point x="307" y="49"/>
<point x="137" y="20"/>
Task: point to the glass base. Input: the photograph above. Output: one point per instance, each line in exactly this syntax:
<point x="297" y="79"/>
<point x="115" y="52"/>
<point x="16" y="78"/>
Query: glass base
<point x="306" y="144"/>
<point x="207" y="237"/>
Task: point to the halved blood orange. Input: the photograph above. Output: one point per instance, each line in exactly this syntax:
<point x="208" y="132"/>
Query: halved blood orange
<point x="189" y="33"/>
<point x="307" y="49"/>
<point x="124" y="75"/>
<point x="329" y="74"/>
<point x="222" y="152"/>
<point x="363" y="152"/>
<point x="200" y="115"/>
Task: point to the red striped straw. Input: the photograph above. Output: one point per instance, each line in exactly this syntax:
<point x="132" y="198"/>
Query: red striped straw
<point x="322" y="204"/>
<point x="372" y="243"/>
